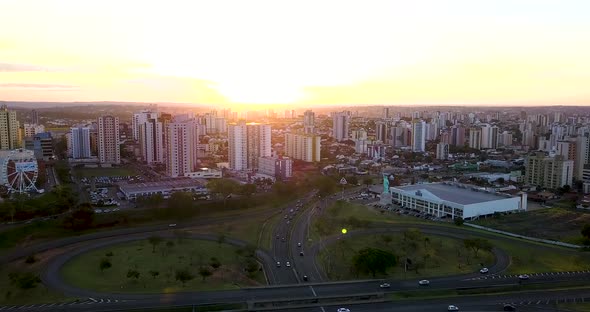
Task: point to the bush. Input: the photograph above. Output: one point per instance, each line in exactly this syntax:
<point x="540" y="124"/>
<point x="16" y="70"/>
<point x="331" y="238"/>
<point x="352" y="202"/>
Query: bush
<point x="31" y="259"/>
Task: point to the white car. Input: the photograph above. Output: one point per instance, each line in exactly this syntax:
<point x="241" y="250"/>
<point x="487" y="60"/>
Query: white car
<point x="298" y="244"/>
<point x="484" y="271"/>
<point x="424" y="283"/>
<point x="288" y="264"/>
<point x="172" y="224"/>
<point x="453" y="308"/>
<point x="523" y="277"/>
<point x="385" y="285"/>
<point x="278" y="264"/>
<point x="343" y="310"/>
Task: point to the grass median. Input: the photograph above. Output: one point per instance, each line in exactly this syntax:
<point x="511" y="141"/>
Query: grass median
<point x="158" y="267"/>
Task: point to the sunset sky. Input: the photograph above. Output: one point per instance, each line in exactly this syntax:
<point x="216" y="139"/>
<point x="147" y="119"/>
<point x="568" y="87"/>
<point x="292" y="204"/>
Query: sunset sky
<point x="218" y="52"/>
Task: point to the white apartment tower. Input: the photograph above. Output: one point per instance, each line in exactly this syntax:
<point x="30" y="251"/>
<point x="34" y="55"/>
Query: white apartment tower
<point x="79" y="142"/>
<point x="151" y="141"/>
<point x="303" y="147"/>
<point x="108" y="140"/>
<point x="475" y="138"/>
<point x="247" y="143"/>
<point x="139" y="119"/>
<point x="183" y="138"/>
<point x="9" y="129"/>
<point x="340" y="126"/>
<point x="419" y="136"/>
<point x="442" y="151"/>
<point x="308" y="121"/>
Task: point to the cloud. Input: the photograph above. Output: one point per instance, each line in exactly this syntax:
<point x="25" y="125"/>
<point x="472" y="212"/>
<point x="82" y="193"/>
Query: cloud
<point x="36" y="86"/>
<point x="12" y="67"/>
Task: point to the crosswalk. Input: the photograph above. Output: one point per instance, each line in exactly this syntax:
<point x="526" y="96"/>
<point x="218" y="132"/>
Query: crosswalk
<point x="498" y="276"/>
<point x="548" y="301"/>
<point x="60" y="304"/>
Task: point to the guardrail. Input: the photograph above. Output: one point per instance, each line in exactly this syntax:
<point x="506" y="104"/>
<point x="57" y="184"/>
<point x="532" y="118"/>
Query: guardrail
<point x="305" y="302"/>
<point x="534" y="239"/>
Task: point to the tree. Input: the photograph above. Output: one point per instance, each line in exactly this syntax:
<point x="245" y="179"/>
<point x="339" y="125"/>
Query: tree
<point x="204" y="272"/>
<point x="352" y="180"/>
<point x="24" y="281"/>
<point x="224" y="187"/>
<point x="247" y="189"/>
<point x="154" y="240"/>
<point x="586" y="231"/>
<point x="251" y="266"/>
<point x="105" y="263"/>
<point x="386" y="239"/>
<point x="133" y="274"/>
<point x="367" y="181"/>
<point x="459" y="221"/>
<point x="154" y="273"/>
<point x="215" y="263"/>
<point x="373" y="260"/>
<point x="183" y="276"/>
<point x="31" y="259"/>
<point x="80" y="219"/>
<point x="325" y="185"/>
<point x="477" y="244"/>
<point x="180" y="204"/>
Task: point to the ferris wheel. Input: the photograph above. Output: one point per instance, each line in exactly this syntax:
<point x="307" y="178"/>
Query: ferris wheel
<point x="19" y="171"/>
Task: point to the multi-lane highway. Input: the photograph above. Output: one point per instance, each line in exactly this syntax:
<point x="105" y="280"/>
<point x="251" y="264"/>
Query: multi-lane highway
<point x="286" y="282"/>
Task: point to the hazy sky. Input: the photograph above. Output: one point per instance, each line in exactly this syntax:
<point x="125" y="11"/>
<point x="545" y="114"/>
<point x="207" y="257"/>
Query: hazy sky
<point x="301" y="52"/>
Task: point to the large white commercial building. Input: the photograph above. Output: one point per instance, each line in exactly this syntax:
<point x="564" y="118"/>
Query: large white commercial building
<point x="304" y="147"/>
<point x="419" y="136"/>
<point x="340" y="126"/>
<point x="108" y="140"/>
<point x="452" y="200"/>
<point x="248" y="142"/>
<point x="79" y="142"/>
<point x="9" y="129"/>
<point x="183" y="139"/>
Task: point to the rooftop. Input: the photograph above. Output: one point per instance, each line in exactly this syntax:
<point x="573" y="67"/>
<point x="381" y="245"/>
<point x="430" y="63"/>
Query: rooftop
<point x="161" y="185"/>
<point x="456" y="193"/>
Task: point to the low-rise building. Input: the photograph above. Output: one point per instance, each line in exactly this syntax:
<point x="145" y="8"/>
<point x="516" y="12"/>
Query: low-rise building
<point x="454" y="200"/>
<point x="132" y="191"/>
<point x="278" y="167"/>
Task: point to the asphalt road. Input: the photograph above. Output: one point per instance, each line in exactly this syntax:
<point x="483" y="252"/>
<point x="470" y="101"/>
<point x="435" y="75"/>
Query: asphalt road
<point x="295" y="231"/>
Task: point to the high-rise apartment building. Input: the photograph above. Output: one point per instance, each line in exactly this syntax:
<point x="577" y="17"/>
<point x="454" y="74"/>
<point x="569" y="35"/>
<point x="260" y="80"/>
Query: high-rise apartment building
<point x="79" y="142"/>
<point x="151" y="141"/>
<point x="139" y="119"/>
<point x="442" y="151"/>
<point x="419" y="136"/>
<point x="34" y="117"/>
<point x="183" y="138"/>
<point x="309" y="122"/>
<point x="303" y="147"/>
<point x="489" y="136"/>
<point x="9" y="129"/>
<point x="457" y="136"/>
<point x="247" y="143"/>
<point x="108" y="140"/>
<point x="548" y="172"/>
<point x="382" y="132"/>
<point x="386" y="114"/>
<point x="340" y="126"/>
<point x="280" y="168"/>
<point x="475" y="138"/>
<point x="32" y="129"/>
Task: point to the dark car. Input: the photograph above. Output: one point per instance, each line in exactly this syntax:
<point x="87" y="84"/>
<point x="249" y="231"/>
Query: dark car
<point x="509" y="307"/>
<point x="305" y="278"/>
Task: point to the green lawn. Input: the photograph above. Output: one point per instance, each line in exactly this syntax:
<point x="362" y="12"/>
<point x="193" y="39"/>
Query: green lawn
<point x="13" y="295"/>
<point x="551" y="223"/>
<point x="83" y="271"/>
<point x="576" y="307"/>
<point x="266" y="236"/>
<point x="104" y="172"/>
<point x="436" y="256"/>
<point x="526" y="256"/>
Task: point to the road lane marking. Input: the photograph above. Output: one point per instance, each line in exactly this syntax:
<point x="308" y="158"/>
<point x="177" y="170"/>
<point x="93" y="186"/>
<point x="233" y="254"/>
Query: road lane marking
<point x="94" y="300"/>
<point x="538" y="302"/>
<point x="312" y="291"/>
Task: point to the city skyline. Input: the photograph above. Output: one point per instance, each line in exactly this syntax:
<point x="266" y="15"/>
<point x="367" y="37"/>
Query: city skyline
<point x="304" y="53"/>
